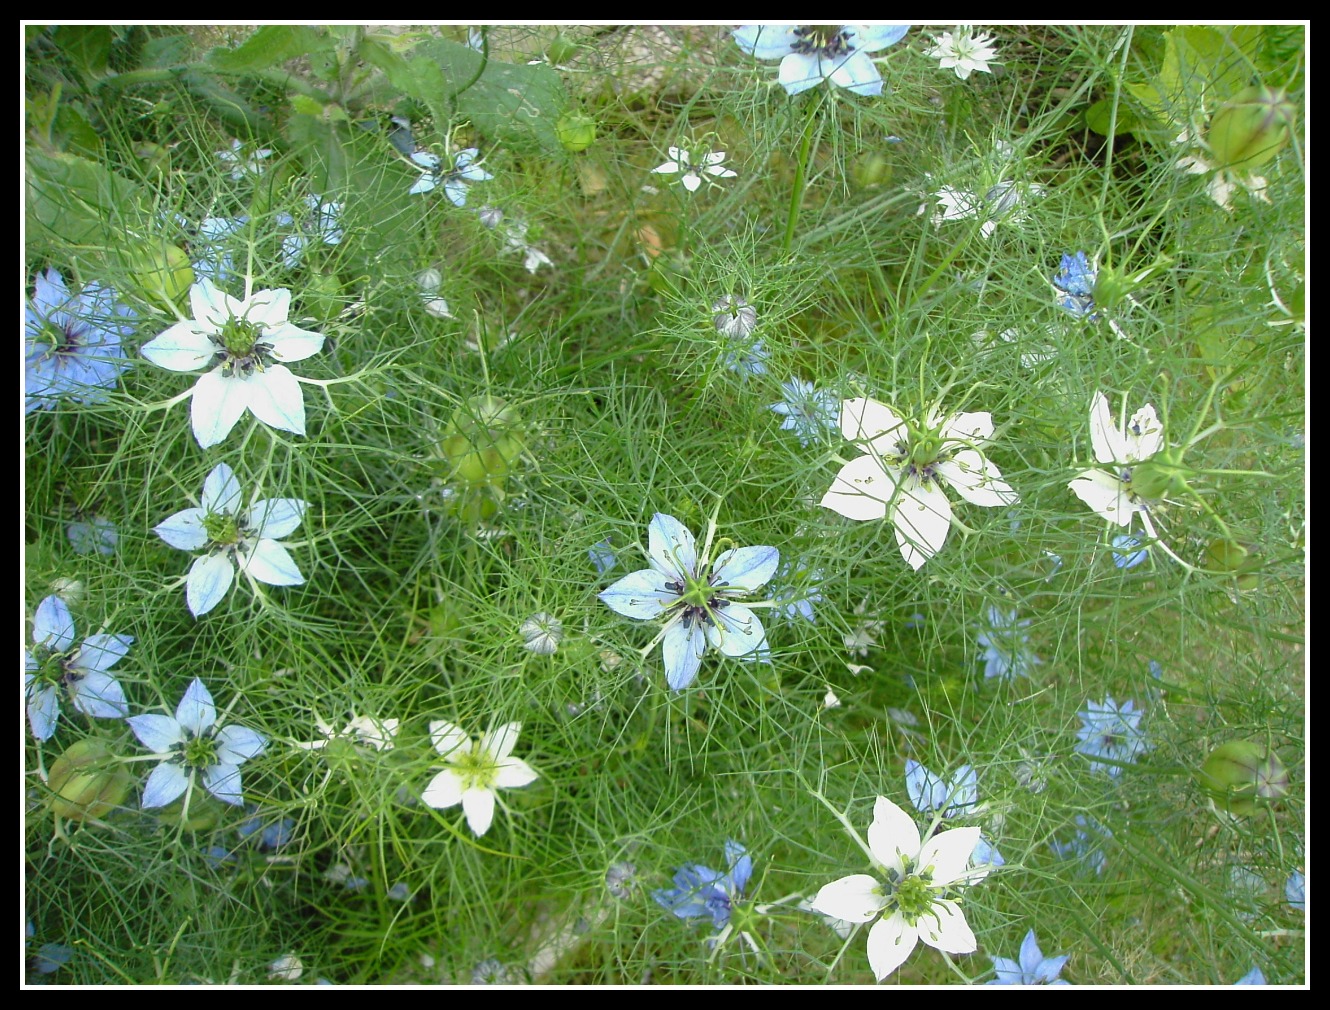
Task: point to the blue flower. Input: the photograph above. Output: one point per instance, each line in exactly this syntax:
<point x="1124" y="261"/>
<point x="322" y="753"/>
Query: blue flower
<point x="750" y="359"/>
<point x="72" y="342"/>
<point x="1112" y="733"/>
<point x="211" y="252"/>
<point x="1253" y="977"/>
<point x="602" y="556"/>
<point x="986" y="854"/>
<point x="1007" y="653"/>
<point x="1295" y="891"/>
<point x="1033" y="968"/>
<point x="1086" y="845"/>
<point x="801" y="589"/>
<point x="809" y="412"/>
<point x="52" y="663"/>
<point x="50" y="956"/>
<point x="928" y="791"/>
<point x="699" y="597"/>
<point x="272" y="834"/>
<point x="464" y="169"/>
<point x="95" y="536"/>
<point x="1128" y="552"/>
<point x="1076" y="281"/>
<point x="811" y="54"/>
<point x="700" y="892"/>
<point x="192" y="744"/>
<point x="323" y="224"/>
<point x="241" y="163"/>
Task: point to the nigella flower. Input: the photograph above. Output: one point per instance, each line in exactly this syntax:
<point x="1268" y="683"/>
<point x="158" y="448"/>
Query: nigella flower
<point x="271" y="834"/>
<point x="192" y="745"/>
<point x="211" y="252"/>
<point x="602" y="556"/>
<point x="963" y="51"/>
<point x="1295" y="891"/>
<point x="750" y="359"/>
<point x="949" y="797"/>
<point x="233" y="537"/>
<point x="1253" y="977"/>
<point x="1086" y="845"/>
<point x="700" y="892"/>
<point x="799" y="587"/>
<point x="1002" y="202"/>
<point x="50" y="957"/>
<point x="1127" y="551"/>
<point x="464" y="169"/>
<point x="1076" y="281"/>
<point x="246" y="344"/>
<point x="242" y="163"/>
<point x="72" y="342"/>
<point x="53" y="665"/>
<point x="811" y="54"/>
<point x="542" y="633"/>
<point x="362" y="730"/>
<point x="477" y="770"/>
<point x="1111" y="733"/>
<point x="430" y="280"/>
<point x="1032" y="969"/>
<point x="1111" y="492"/>
<point x="906" y="465"/>
<point x="692" y="169"/>
<point x="809" y="412"/>
<point x="322" y="224"/>
<point x="733" y="317"/>
<point x="698" y="597"/>
<point x="1007" y="653"/>
<point x="918" y="897"/>
<point x="514" y="236"/>
<point x="96" y="535"/>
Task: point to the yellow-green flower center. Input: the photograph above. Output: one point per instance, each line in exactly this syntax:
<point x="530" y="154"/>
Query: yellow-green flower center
<point x="221" y="528"/>
<point x="827" y="41"/>
<point x="199" y="752"/>
<point x="476" y="768"/>
<point x="239" y="337"/>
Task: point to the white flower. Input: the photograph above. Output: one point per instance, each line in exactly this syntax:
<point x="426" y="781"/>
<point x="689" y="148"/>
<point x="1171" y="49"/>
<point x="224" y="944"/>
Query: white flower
<point x="963" y="52"/>
<point x="811" y="54"/>
<point x="1110" y="492"/>
<point x="1004" y="201"/>
<point x="542" y="633"/>
<point x="242" y="164"/>
<point x="465" y="168"/>
<point x="693" y="169"/>
<point x="287" y="968"/>
<point x="248" y="343"/>
<point x="362" y="730"/>
<point x="913" y="901"/>
<point x="1224" y="182"/>
<point x="429" y="281"/>
<point x="902" y="476"/>
<point x="191" y="743"/>
<point x="477" y="769"/>
<point x="233" y="537"/>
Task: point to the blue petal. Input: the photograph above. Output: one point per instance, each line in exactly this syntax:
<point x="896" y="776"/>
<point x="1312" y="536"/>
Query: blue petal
<point x="43" y="710"/>
<point x="765" y="42"/>
<point x="871" y="38"/>
<point x="741" y="865"/>
<point x="52" y="626"/>
<point x="682" y="648"/>
<point x="671" y="547"/>
<point x="223" y="781"/>
<point x="641" y="595"/>
<point x="167" y="782"/>
<point x="745" y="568"/>
<point x="196" y="712"/>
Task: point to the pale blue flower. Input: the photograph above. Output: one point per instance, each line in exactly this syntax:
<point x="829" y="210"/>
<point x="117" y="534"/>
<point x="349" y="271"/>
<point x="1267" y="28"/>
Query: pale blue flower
<point x="241" y="163"/>
<point x="809" y="412"/>
<point x="698" y="597"/>
<point x="1086" y="845"/>
<point x="191" y="745"/>
<point x="1253" y="977"/>
<point x="323" y="223"/>
<point x="212" y="253"/>
<point x="1007" y="653"/>
<point x="929" y="791"/>
<point x="53" y="663"/>
<point x="986" y="854"/>
<point x="97" y="535"/>
<point x="233" y="537"/>
<point x="400" y="891"/>
<point x="800" y="588"/>
<point x="492" y="971"/>
<point x="50" y="957"/>
<point x="620" y="880"/>
<point x="811" y="54"/>
<point x="1076" y="281"/>
<point x="272" y="834"/>
<point x="700" y="892"/>
<point x="464" y="169"/>
<point x="1295" y="891"/>
<point x="750" y="359"/>
<point x="72" y="343"/>
<point x="602" y="556"/>
<point x="1128" y="552"/>
<point x="1032" y="969"/>
<point x="1111" y="733"/>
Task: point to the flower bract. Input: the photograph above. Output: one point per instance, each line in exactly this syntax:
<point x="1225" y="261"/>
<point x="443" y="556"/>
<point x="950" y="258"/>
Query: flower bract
<point x="476" y="770"/>
<point x="72" y="343"/>
<point x="811" y="54"/>
<point x="53" y="665"/>
<point x="246" y="344"/>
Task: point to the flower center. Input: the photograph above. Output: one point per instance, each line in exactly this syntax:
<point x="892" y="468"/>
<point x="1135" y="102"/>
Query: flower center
<point x="199" y="752"/>
<point x="221" y="528"/>
<point x="914" y="897"/>
<point x="241" y="347"/>
<point x="476" y="768"/>
<point x="64" y="340"/>
<point x="827" y="41"/>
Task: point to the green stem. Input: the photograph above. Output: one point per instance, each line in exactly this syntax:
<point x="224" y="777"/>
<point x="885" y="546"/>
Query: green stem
<point x="801" y="173"/>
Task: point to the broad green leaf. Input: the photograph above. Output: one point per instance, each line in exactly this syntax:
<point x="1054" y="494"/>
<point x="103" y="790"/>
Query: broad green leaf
<point x="88" y="46"/>
<point x="1099" y="118"/>
<point x="269" y="46"/>
<point x="74" y="201"/>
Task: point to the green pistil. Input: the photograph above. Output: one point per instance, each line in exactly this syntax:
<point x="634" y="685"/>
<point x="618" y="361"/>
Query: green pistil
<point x="925" y="449"/>
<point x="200" y="752"/>
<point x="477" y="770"/>
<point x="696" y="592"/>
<point x="51" y="667"/>
<point x="221" y="528"/>
<point x="914" y="897"/>
<point x="240" y="336"/>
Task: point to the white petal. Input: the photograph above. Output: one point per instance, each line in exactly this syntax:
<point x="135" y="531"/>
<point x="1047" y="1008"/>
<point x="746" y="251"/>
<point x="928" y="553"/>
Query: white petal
<point x="861" y="490"/>
<point x="681" y="648"/>
<point x="274" y="518"/>
<point x="218" y="403"/>
<point x="428" y="162"/>
<point x="856" y="73"/>
<point x="720" y="172"/>
<point x="1105" y="494"/>
<point x="745" y="568"/>
<point x="478" y="805"/>
<point x="737" y="630"/>
<point x="448" y="739"/>
<point x="671" y="547"/>
<point x="976" y="479"/>
<point x="922" y="516"/>
<point x="209" y="579"/>
<point x="221" y="491"/>
<point x="862" y="420"/>
<point x="668" y="168"/>
<point x="856" y="898"/>
<point x="1109" y="445"/>
<point x="213" y="308"/>
<point x="970" y="426"/>
<point x="765" y="42"/>
<point x="947" y="929"/>
<point x="268" y="309"/>
<point x="890" y="942"/>
<point x="640" y="594"/>
<point x="276" y="399"/>
<point x="180" y="348"/>
<point x="444" y="790"/>
<point x="499" y="742"/>
<point x="513" y="774"/>
<point x="892" y="837"/>
<point x="270" y="562"/>
<point x="1151" y="434"/>
<point x="798" y="73"/>
<point x="948" y="854"/>
<point x="291" y="343"/>
<point x="159" y="733"/>
<point x="713" y="158"/>
<point x="167" y="782"/>
<point x="691" y="182"/>
<point x="871" y="38"/>
<point x="100" y="695"/>
<point x="237" y="744"/>
<point x="423" y="185"/>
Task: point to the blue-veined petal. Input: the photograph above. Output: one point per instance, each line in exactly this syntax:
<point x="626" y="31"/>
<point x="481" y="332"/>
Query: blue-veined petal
<point x="167" y="782"/>
<point x="736" y="630"/>
<point x="745" y="568"/>
<point x="681" y="648"/>
<point x="208" y="581"/>
<point x="640" y="594"/>
<point x="52" y="625"/>
<point x="671" y="547"/>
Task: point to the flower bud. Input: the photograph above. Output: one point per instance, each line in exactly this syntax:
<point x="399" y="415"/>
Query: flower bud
<point x="1251" y="128"/>
<point x="561" y="50"/>
<point x="322" y="297"/>
<point x="87" y="780"/>
<point x="161" y="271"/>
<point x="1227" y="555"/>
<point x="871" y="169"/>
<point x="576" y="131"/>
<point x="1240" y="774"/>
<point x="1156" y="478"/>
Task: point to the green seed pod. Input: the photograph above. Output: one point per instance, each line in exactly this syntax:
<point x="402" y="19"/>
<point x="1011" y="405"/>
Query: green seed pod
<point x="87" y="780"/>
<point x="1228" y="555"/>
<point x="871" y="169"/>
<point x="322" y="297"/>
<point x="161" y="271"/>
<point x="1251" y="128"/>
<point x="576" y="131"/>
<point x="1239" y="775"/>
<point x="561" y="50"/>
<point x="1157" y="478"/>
